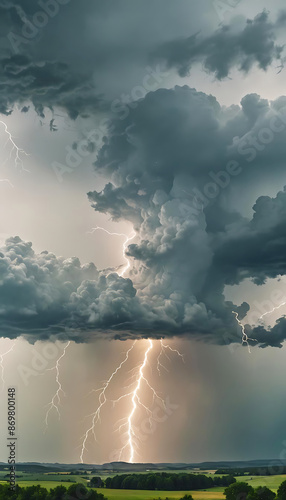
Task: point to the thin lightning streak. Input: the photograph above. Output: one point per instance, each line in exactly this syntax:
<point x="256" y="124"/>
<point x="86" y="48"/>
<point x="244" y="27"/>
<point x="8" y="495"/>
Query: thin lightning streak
<point x="245" y="339"/>
<point x="2" y="356"/>
<point x="102" y="400"/>
<point x="274" y="309"/>
<point x="163" y="351"/>
<point x="15" y="149"/>
<point x="7" y="181"/>
<point x="56" y="400"/>
<point x="125" y="245"/>
<point x="173" y="350"/>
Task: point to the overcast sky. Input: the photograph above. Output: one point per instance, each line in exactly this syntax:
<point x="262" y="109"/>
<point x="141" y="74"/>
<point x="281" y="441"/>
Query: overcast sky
<point x="163" y="122"/>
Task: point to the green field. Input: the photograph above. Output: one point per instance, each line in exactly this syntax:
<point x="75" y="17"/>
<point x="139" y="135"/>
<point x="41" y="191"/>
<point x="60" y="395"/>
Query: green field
<point x="52" y="480"/>
<point x="150" y="495"/>
<point x="272" y="482"/>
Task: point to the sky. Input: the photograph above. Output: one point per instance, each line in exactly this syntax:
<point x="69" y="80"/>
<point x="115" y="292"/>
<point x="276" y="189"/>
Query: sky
<point x="142" y="224"/>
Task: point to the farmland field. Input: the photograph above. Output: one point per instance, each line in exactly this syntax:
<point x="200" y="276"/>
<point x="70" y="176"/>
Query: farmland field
<point x="272" y="482"/>
<point x="51" y="480"/>
<point x="150" y="495"/>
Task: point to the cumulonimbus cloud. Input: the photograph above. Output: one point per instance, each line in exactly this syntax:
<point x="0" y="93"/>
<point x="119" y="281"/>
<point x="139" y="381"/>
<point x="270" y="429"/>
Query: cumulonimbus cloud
<point x="173" y="167"/>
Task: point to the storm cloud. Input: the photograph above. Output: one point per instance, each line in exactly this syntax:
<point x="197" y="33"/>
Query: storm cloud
<point x="187" y="247"/>
<point x="231" y="46"/>
<point x="171" y="168"/>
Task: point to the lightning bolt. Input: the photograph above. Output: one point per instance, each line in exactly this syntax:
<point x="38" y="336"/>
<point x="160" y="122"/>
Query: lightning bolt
<point x="2" y="356"/>
<point x="56" y="400"/>
<point x="163" y="350"/>
<point x="245" y="339"/>
<point x="272" y="310"/>
<point x="135" y="400"/>
<point x="102" y="400"/>
<point x="18" y="152"/>
<point x="125" y="245"/>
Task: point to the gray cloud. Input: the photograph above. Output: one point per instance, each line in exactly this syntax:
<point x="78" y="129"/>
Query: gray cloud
<point x="231" y="46"/>
<point x="46" y="60"/>
<point x="185" y="251"/>
<point x="160" y="165"/>
<point x="160" y="162"/>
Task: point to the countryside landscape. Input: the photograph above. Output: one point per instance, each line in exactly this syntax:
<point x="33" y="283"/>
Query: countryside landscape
<point x="142" y="249"/>
<point x="117" y="481"/>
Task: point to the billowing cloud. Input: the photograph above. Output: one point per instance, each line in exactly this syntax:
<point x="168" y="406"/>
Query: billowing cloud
<point x="173" y="165"/>
<point x="231" y="46"/>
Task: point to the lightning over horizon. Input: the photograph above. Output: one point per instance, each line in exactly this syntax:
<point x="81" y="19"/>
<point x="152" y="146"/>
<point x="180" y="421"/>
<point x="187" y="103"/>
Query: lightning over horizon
<point x="102" y="400"/>
<point x="127" y="429"/>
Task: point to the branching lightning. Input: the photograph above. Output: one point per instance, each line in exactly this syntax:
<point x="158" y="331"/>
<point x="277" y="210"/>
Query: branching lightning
<point x="102" y="400"/>
<point x="245" y="339"/>
<point x="139" y="381"/>
<point x="125" y="245"/>
<point x="2" y="356"/>
<point x="163" y="350"/>
<point x="56" y="400"/>
<point x="128" y="427"/>
<point x="14" y="150"/>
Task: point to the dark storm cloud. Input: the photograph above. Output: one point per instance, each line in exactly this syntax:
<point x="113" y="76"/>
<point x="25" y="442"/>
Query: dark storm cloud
<point x="231" y="46"/>
<point x="256" y="248"/>
<point x="29" y="75"/>
<point x="55" y="53"/>
<point x="42" y="295"/>
<point x="159" y="162"/>
<point x="166" y="165"/>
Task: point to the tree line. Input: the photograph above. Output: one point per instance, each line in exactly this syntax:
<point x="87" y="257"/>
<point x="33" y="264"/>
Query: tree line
<point x="74" y="492"/>
<point x="254" y="471"/>
<point x="165" y="481"/>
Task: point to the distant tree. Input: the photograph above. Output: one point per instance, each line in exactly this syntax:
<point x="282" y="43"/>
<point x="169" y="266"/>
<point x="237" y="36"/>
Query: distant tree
<point x="96" y="482"/>
<point x="78" y="490"/>
<point x="281" y="493"/>
<point x="238" y="491"/>
<point x="261" y="493"/>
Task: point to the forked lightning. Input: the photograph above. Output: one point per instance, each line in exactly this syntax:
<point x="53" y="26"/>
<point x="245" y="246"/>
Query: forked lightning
<point x="56" y="400"/>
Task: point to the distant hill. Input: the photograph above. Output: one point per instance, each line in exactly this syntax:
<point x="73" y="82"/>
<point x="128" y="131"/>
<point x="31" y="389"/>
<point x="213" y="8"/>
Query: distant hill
<point x="142" y="467"/>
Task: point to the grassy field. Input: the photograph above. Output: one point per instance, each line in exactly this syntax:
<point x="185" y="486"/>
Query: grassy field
<point x="272" y="482"/>
<point x="150" y="495"/>
<point x="52" y="480"/>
